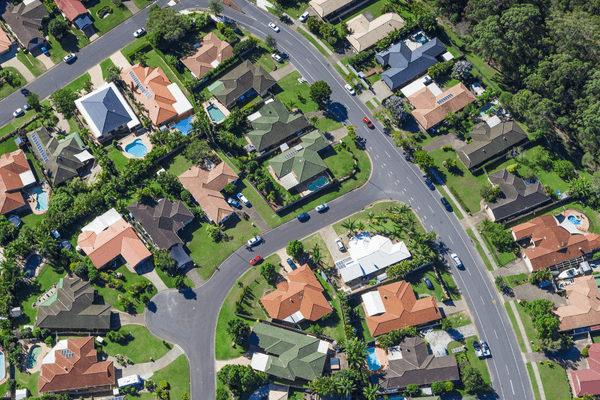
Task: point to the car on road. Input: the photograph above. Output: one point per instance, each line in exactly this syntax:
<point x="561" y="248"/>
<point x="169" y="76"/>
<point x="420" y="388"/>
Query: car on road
<point x="277" y="58"/>
<point x="340" y="245"/>
<point x="291" y="264"/>
<point x="274" y="27"/>
<point x="349" y="89"/>
<point x="456" y="260"/>
<point x="255" y="240"/>
<point x="477" y="348"/>
<point x="322" y="207"/>
<point x="69" y="57"/>
<point x="243" y="199"/>
<point x="303" y="217"/>
<point x="139" y="32"/>
<point x="256" y="260"/>
<point x="428" y="283"/>
<point x="485" y="349"/>
<point x="446" y="204"/>
<point x="234" y="203"/>
<point x="367" y="121"/>
<point x="429" y="183"/>
<point x="304" y="17"/>
<point x="18" y="112"/>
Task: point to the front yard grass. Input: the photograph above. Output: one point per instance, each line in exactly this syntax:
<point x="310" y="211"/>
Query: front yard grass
<point x="554" y="380"/>
<point x="261" y="55"/>
<point x="8" y="146"/>
<point x="7" y="88"/>
<point x="77" y="84"/>
<point x="33" y="64"/>
<point x="141" y="348"/>
<point x="534" y="385"/>
<point x="501" y="257"/>
<point x="169" y="280"/>
<point x="513" y="322"/>
<point x="296" y="92"/>
<point x="415" y="279"/>
<point x="339" y="162"/>
<point x="141" y="4"/>
<point x="516" y="280"/>
<point x="459" y="319"/>
<point x="109" y="295"/>
<point x="294" y="8"/>
<point x="377" y="209"/>
<point x="327" y="124"/>
<point x="118" y="15"/>
<point x="470" y="357"/>
<point x="317" y="239"/>
<point x="105" y="65"/>
<point x="177" y="374"/>
<point x="528" y="325"/>
<point x="71" y="43"/>
<point x="482" y="254"/>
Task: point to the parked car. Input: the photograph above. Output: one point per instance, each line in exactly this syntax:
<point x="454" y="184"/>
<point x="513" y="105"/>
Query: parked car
<point x="322" y="207"/>
<point x="255" y="240"/>
<point x="428" y="283"/>
<point x="429" y="183"/>
<point x="45" y="51"/>
<point x="302" y="80"/>
<point x="340" y="245"/>
<point x="69" y="57"/>
<point x="237" y="30"/>
<point x="477" y="348"/>
<point x="291" y="263"/>
<point x="243" y="199"/>
<point x="349" y="89"/>
<point x="485" y="349"/>
<point x="446" y="204"/>
<point x="367" y="121"/>
<point x="139" y="32"/>
<point x="456" y="260"/>
<point x="26" y="107"/>
<point x="234" y="203"/>
<point x="303" y="217"/>
<point x="55" y="233"/>
<point x="256" y="260"/>
<point x="274" y="27"/>
<point x="277" y="58"/>
<point x="18" y="112"/>
<point x="304" y="17"/>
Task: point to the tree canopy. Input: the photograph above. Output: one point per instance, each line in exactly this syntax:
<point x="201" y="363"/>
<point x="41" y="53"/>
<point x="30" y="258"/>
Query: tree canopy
<point x="320" y="92"/>
<point x="166" y="25"/>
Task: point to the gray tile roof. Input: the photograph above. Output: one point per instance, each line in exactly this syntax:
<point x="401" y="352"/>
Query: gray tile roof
<point x="240" y="80"/>
<point x="25" y="21"/>
<point x="274" y="125"/>
<point x="106" y="110"/>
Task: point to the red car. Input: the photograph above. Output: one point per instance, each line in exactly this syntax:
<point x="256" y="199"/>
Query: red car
<point x="256" y="260"/>
<point x="368" y="122"/>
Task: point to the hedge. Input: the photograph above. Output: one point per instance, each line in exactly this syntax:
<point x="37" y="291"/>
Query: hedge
<point x="460" y="201"/>
<point x="141" y="47"/>
<point x="228" y="63"/>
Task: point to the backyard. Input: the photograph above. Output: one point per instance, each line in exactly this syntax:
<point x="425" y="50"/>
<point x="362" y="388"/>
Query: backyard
<point x="27" y="295"/>
<point x="332" y="323"/>
<point x="27" y="380"/>
<point x="117" y="157"/>
<point x="359" y="321"/>
<point x="141" y="347"/>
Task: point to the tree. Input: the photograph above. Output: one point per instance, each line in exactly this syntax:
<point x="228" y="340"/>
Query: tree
<point x="213" y="232"/>
<point x="437" y="387"/>
<point x="241" y="378"/>
<point x="580" y="188"/>
<point x="58" y="27"/>
<point x="489" y="193"/>
<point x="64" y="101"/>
<point x="238" y="329"/>
<point x="267" y="270"/>
<point x="164" y="261"/>
<point x="424" y="160"/>
<point x="113" y="74"/>
<point x="295" y="248"/>
<point x="320" y="93"/>
<point x="448" y="386"/>
<point x="427" y="21"/>
<point x="229" y="189"/>
<point x="461" y="70"/>
<point x="166" y="25"/>
<point x="196" y="150"/>
<point x="33" y="100"/>
<point x="564" y="169"/>
<point x="472" y="379"/>
<point x="80" y="269"/>
<point x="413" y="389"/>
<point x="180" y="282"/>
<point x="350" y="226"/>
<point x="124" y="302"/>
<point x="370" y="391"/>
<point x="271" y="42"/>
<point x="215" y="6"/>
<point x="315" y="254"/>
<point x="396" y="108"/>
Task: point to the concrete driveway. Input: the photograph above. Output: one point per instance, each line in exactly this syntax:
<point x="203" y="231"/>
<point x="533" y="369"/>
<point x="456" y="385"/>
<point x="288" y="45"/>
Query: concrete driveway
<point x="439" y="340"/>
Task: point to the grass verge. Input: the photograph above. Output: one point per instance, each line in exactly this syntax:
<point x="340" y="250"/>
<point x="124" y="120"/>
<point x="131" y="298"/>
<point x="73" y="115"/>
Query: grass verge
<point x="313" y="42"/>
<point x="140" y="349"/>
<point x="482" y="254"/>
<point x="513" y="321"/>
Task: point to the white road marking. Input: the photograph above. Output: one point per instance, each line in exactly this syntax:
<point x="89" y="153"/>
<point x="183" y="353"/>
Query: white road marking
<point x="511" y="385"/>
<point x="287" y="41"/>
<point x="370" y="148"/>
<point x="450" y="237"/>
<point x="507" y="370"/>
<point x="431" y="227"/>
<point x="308" y="61"/>
<point x="408" y="180"/>
<point x="384" y="165"/>
<point x="482" y="302"/>
<point x="495" y="333"/>
<point x="418" y="208"/>
<point x="387" y="154"/>
<point x="424" y="217"/>
<point x="396" y="183"/>
<point x="412" y="199"/>
<point x="392" y="172"/>
<point x="430" y="207"/>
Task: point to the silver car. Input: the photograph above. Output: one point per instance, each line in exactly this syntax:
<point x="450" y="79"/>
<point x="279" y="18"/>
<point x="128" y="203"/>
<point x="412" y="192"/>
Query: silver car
<point x="340" y="245"/>
<point x="254" y="240"/>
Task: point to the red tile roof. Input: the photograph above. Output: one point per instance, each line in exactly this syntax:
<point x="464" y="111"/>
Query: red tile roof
<point x="5" y="41"/>
<point x="584" y="307"/>
<point x="300" y="292"/>
<point x="430" y="109"/>
<point x="402" y="309"/>
<point x="80" y="372"/>
<point x="71" y="8"/>
<point x="11" y="166"/>
<point x="212" y="49"/>
<point x="588" y="380"/>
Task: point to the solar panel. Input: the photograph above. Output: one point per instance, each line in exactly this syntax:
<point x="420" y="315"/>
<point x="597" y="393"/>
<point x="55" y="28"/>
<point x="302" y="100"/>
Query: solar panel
<point x="144" y="91"/>
<point x="443" y="99"/>
<point x="340" y="265"/>
<point x="39" y="147"/>
<point x="290" y="154"/>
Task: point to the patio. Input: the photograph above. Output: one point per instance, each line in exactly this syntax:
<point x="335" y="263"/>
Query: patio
<point x="216" y="111"/>
<point x="38" y="198"/>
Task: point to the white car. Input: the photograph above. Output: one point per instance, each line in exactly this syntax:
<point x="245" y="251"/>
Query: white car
<point x="254" y="240"/>
<point x="304" y="17"/>
<point x="485" y="348"/>
<point x="477" y="348"/>
<point x="18" y="112"/>
<point x="243" y="199"/>
<point x="69" y="57"/>
<point x="456" y="260"/>
<point x="340" y="245"/>
<point x="277" y="58"/>
<point x="302" y="80"/>
<point x="349" y="89"/>
<point x="321" y="207"/>
<point x="139" y="32"/>
<point x="274" y="27"/>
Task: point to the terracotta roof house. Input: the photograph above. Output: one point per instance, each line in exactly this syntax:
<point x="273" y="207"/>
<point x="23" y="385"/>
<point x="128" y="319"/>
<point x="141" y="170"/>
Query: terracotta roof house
<point x="588" y="380"/>
<point x="106" y="112"/>
<point x="297" y="298"/>
<point x="206" y="185"/>
<point x="73" y="307"/>
<point x="275" y="125"/>
<point x="490" y="142"/>
<point x="516" y="196"/>
<point x="164" y="101"/>
<point x="210" y="53"/>
<point x="366" y="31"/>
<point x="25" y="20"/>
<point x="583" y="310"/>
<point x="5" y="42"/>
<point x="287" y="354"/>
<point x="110" y="236"/>
<point x="15" y="174"/>
<point x="407" y="63"/>
<point x="62" y="159"/>
<point x="72" y="366"/>
<point x="325" y="7"/>
<point x="243" y="80"/>
<point x="300" y="163"/>
<point x="556" y="242"/>
<point x="162" y="220"/>
<point x="395" y="306"/>
<point x="75" y="12"/>
<point x="431" y="109"/>
<point x="411" y="363"/>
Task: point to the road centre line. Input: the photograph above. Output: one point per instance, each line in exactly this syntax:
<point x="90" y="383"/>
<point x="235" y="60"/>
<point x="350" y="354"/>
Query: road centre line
<point x="429" y="205"/>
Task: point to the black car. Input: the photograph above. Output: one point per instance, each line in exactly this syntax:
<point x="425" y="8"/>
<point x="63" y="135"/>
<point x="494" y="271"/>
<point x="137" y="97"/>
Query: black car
<point x="429" y="183"/>
<point x="446" y="204"/>
<point x="428" y="283"/>
<point x="303" y="217"/>
<point x="237" y="30"/>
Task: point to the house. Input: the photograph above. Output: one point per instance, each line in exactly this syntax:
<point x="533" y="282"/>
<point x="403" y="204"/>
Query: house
<point x="75" y="12"/>
<point x="366" y="31"/>
<point x="369" y="256"/>
<point x="395" y="306"/>
<point x="298" y="297"/>
<point x="106" y="112"/>
<point x="62" y="159"/>
<point x="325" y="7"/>
<point x="490" y="142"/>
<point x="208" y="55"/>
<point x="408" y="60"/>
<point x="411" y="363"/>
<point x="244" y="80"/>
<point x="6" y="42"/>
<point x="73" y="308"/>
<point x="274" y="125"/>
<point x="164" y="101"/>
<point x="430" y="109"/>
<point x="516" y="196"/>
<point x="587" y="381"/>
<point x="26" y="20"/>
<point x="15" y="174"/>
<point x="206" y="185"/>
<point x="583" y="310"/>
<point x="162" y="220"/>
<point x="287" y="354"/>
<point x="300" y="163"/>
<point x="110" y="236"/>
<point x="556" y="243"/>
<point x="73" y="366"/>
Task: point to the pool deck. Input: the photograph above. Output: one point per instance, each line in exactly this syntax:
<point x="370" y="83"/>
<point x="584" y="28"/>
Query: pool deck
<point x="130" y="139"/>
<point x="217" y="104"/>
<point x="38" y="269"/>
<point x="45" y="350"/>
<point x="32" y="198"/>
<point x="584" y="226"/>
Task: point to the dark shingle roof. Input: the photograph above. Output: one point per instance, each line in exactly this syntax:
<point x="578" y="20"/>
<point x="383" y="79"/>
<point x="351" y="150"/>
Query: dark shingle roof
<point x="274" y="125"/>
<point x="25" y="20"/>
<point x="180" y="256"/>
<point x="106" y="110"/>
<point x="240" y="80"/>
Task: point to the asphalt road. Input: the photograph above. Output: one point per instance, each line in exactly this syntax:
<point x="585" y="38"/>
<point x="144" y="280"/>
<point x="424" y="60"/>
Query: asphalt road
<point x="189" y="318"/>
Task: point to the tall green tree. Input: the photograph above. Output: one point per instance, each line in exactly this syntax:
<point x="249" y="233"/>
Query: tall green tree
<point x="320" y="93"/>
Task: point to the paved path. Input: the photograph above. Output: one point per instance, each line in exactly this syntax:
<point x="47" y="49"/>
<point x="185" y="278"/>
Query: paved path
<point x="146" y="370"/>
<point x="47" y="61"/>
<point x="96" y="75"/>
<point x="195" y="277"/>
<point x="234" y="361"/>
<point x="281" y="72"/>
<point x="131" y="7"/>
<point x="126" y="319"/>
<point x="439" y="340"/>
<point x="152" y="275"/>
<point x="448" y="139"/>
<point x="10" y="60"/>
<point x="258" y="220"/>
<point x="451" y="307"/>
<point x="119" y="60"/>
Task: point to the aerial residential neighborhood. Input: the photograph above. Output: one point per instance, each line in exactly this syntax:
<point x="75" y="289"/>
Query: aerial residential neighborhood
<point x="250" y="200"/>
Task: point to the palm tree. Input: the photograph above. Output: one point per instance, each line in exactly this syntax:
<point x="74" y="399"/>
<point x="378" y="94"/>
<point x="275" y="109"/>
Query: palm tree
<point x="370" y="217"/>
<point x="345" y="387"/>
<point x="315" y="254"/>
<point x="381" y="217"/>
<point x="349" y="225"/>
<point x="369" y="391"/>
<point x="361" y="226"/>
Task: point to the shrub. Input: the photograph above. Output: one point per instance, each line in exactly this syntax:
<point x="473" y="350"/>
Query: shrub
<point x="564" y="169"/>
<point x="460" y="200"/>
<point x="585" y="352"/>
<point x="512" y="168"/>
<point x="490" y="193"/>
<point x="164" y="384"/>
<point x="447" y="147"/>
<point x="357" y="60"/>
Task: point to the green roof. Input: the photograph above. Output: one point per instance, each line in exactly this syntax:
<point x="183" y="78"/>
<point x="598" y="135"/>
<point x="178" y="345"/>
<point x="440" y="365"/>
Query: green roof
<point x="240" y="80"/>
<point x="274" y="125"/>
<point x="291" y="355"/>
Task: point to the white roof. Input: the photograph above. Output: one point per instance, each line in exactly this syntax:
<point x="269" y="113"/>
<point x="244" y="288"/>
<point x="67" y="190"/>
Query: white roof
<point x="182" y="105"/>
<point x="128" y="380"/>
<point x="394" y="353"/>
<point x="100" y="339"/>
<point x="420" y="84"/>
<point x="295" y="318"/>
<point x="84" y="156"/>
<point x="21" y="394"/>
<point x="49" y="358"/>
<point x="476" y="87"/>
<point x="323" y="347"/>
<point x="27" y="178"/>
<point x="259" y="361"/>
<point x="493" y="121"/>
<point x="103" y="221"/>
<point x="215" y="63"/>
<point x="288" y="181"/>
<point x="447" y="56"/>
<point x="373" y="303"/>
<point x="269" y="101"/>
<point x="252" y="117"/>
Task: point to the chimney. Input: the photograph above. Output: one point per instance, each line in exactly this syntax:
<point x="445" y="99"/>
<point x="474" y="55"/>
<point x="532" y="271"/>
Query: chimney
<point x="385" y="296"/>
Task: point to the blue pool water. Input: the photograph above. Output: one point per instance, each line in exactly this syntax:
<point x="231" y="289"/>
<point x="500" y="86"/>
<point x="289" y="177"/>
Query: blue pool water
<point x="396" y="398"/>
<point x="32" y="358"/>
<point x="574" y="220"/>
<point x="372" y="359"/>
<point x="185" y="126"/>
<point x="42" y="199"/>
<point x="31" y="265"/>
<point x="215" y="114"/>
<point x="137" y="148"/>
<point x="483" y="110"/>
<point x="317" y="183"/>
<point x="2" y="371"/>
<point x="420" y="38"/>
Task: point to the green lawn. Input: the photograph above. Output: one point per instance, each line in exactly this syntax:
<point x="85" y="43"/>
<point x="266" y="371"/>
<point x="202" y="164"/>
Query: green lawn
<point x="528" y="325"/>
<point x="513" y="322"/>
<point x="475" y="361"/>
<point x="501" y="257"/>
<point x="332" y="325"/>
<point x="33" y="64"/>
<point x="176" y="164"/>
<point x="8" y="146"/>
<point x="32" y="219"/>
<point x="516" y="280"/>
<point x="377" y="209"/>
<point x="415" y="279"/>
<point x="360" y="323"/>
<point x="296" y="92"/>
<point x="312" y="41"/>
<point x="482" y="254"/>
<point x="370" y="105"/>
<point x="294" y="8"/>
<point x="327" y="124"/>
<point x="77" y="84"/>
<point x="536" y="390"/>
<point x="309" y="242"/>
<point x="554" y="380"/>
<point x="257" y="285"/>
<point x="27" y="295"/>
<point x="118" y="15"/>
<point x="140" y="349"/>
<point x="72" y="43"/>
<point x="6" y="88"/>
<point x="459" y="319"/>
<point x="261" y="55"/>
<point x="109" y="295"/>
<point x="105" y="65"/>
<point x="29" y="381"/>
<point x="142" y="3"/>
<point x="177" y="374"/>
<point x="340" y="162"/>
<point x="137" y="43"/>
<point x="118" y="158"/>
<point x="469" y="357"/>
<point x="169" y="280"/>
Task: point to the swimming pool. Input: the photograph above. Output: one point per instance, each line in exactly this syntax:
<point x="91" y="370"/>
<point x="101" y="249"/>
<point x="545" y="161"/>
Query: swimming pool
<point x="32" y="357"/>
<point x="215" y="114"/>
<point x="185" y="126"/>
<point x="42" y="199"/>
<point x="317" y="183"/>
<point x="573" y="219"/>
<point x="30" y="266"/>
<point x="420" y="38"/>
<point x="65" y="245"/>
<point x="483" y="110"/>
<point x="137" y="148"/>
<point x="2" y="371"/>
<point x="372" y="359"/>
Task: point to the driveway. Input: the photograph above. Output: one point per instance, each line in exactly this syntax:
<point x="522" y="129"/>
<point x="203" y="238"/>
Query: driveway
<point x="10" y="60"/>
<point x="146" y="370"/>
<point x="531" y="292"/>
<point x="281" y="72"/>
<point x="439" y="340"/>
